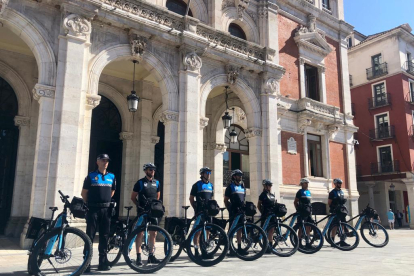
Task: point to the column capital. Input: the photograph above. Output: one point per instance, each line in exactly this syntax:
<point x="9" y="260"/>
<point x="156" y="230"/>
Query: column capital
<point x="303" y="123"/>
<point x="271" y="87"/>
<point x="3" y="5"/>
<point x="138" y="44"/>
<point x="253" y="132"/>
<point x="232" y="72"/>
<point x="155" y="139"/>
<point x="41" y="90"/>
<point x="126" y="135"/>
<point x="92" y="101"/>
<point x="370" y="184"/>
<point x="220" y="147"/>
<point x="203" y="122"/>
<point x="21" y="121"/>
<point x="169" y="116"/>
<point x="77" y="26"/>
<point x="192" y="62"/>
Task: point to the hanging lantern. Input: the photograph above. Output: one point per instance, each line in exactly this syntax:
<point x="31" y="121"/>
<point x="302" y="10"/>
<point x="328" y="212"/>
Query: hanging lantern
<point x="133" y="98"/>
<point x="233" y="136"/>
<point x="226" y="120"/>
<point x="392" y="187"/>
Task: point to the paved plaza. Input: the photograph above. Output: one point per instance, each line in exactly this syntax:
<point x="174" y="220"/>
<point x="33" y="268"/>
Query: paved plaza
<point x="395" y="259"/>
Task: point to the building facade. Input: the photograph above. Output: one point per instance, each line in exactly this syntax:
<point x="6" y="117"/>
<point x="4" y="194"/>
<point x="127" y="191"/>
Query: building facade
<point x="67" y="68"/>
<point x="382" y="89"/>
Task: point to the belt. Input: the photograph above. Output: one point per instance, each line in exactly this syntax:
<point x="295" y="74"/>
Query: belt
<point x="100" y="205"/>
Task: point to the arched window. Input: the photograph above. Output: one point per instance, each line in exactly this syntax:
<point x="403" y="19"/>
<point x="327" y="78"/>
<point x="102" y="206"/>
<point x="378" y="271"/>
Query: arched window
<point x="237" y="31"/>
<point x="178" y="6"/>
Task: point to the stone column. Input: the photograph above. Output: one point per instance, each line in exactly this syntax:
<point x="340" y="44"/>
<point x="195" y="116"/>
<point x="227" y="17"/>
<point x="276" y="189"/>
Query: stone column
<point x="128" y="167"/>
<point x="217" y="174"/>
<point x="351" y="167"/>
<point x="371" y="186"/>
<point x="322" y="84"/>
<point x="170" y="198"/>
<point x="268" y="28"/>
<point x="410" y="192"/>
<point x="270" y="137"/>
<point x="255" y="158"/>
<point x="202" y="156"/>
<point x="302" y="78"/>
<point x="344" y="73"/>
<point x="215" y="11"/>
<point x="189" y="129"/>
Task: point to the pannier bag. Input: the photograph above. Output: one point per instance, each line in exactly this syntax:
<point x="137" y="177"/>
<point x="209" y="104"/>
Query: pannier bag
<point x="174" y="224"/>
<point x="35" y="224"/>
<point x="371" y="213"/>
<point x="212" y="208"/>
<point x="78" y="207"/>
<point x="342" y="212"/>
<point x="305" y="210"/>
<point x="156" y="209"/>
<point x="250" y="209"/>
<point x="280" y="209"/>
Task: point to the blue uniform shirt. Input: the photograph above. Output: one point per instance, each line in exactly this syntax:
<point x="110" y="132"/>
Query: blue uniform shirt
<point x="99" y="186"/>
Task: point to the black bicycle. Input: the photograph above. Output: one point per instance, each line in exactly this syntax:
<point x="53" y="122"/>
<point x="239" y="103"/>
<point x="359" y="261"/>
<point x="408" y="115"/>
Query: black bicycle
<point x="61" y="249"/>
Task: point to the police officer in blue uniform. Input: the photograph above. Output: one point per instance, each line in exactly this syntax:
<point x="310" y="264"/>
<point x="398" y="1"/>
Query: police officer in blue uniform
<point x="265" y="203"/>
<point x="234" y="198"/>
<point x="145" y="190"/>
<point x="336" y="198"/>
<point x="98" y="189"/>
<point x="201" y="191"/>
<point x="303" y="198"/>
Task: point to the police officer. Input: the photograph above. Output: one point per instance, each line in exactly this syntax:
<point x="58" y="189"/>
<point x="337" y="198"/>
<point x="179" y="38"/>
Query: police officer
<point x="265" y="203"/>
<point x="303" y="197"/>
<point x="98" y="189"/>
<point x="145" y="190"/>
<point x="234" y="198"/>
<point x="202" y="191"/>
<point x="336" y="198"/>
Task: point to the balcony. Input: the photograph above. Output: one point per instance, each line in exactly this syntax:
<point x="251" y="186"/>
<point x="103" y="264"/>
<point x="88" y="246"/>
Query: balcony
<point x="227" y="178"/>
<point x="409" y="67"/>
<point x="377" y="71"/>
<point x="380" y="101"/>
<point x="386" y="167"/>
<point x="382" y="133"/>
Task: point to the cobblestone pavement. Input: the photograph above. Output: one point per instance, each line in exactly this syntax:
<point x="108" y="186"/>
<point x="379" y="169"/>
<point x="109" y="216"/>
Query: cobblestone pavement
<point x="395" y="259"/>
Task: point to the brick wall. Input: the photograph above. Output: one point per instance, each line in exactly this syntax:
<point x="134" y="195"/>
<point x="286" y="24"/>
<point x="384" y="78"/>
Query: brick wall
<point x="292" y="165"/>
<point x="339" y="162"/>
<point x="332" y="75"/>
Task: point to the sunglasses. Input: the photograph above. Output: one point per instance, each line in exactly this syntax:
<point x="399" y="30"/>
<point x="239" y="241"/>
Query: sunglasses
<point x="208" y="173"/>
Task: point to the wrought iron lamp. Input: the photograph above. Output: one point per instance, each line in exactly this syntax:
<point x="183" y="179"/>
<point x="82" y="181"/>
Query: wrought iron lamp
<point x="233" y="133"/>
<point x="133" y="98"/>
<point x="226" y="118"/>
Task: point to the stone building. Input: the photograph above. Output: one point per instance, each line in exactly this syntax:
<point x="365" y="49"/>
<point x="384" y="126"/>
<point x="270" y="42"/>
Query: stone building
<point x="66" y="69"/>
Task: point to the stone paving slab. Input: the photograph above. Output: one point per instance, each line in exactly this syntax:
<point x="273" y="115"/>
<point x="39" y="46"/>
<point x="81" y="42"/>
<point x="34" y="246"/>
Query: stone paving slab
<point x="395" y="259"/>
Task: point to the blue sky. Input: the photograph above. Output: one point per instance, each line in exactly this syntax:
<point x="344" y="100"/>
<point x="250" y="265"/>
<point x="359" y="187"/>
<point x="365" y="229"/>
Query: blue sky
<point x="374" y="16"/>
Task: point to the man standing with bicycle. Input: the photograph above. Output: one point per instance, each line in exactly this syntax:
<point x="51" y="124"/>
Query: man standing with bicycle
<point x="145" y="190"/>
<point x="303" y="205"/>
<point x="335" y="200"/>
<point x="234" y="198"/>
<point x="98" y="189"/>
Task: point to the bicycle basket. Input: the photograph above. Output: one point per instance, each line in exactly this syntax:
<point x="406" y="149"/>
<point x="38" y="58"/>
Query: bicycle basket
<point x="156" y="209"/>
<point x="35" y="224"/>
<point x="279" y="209"/>
<point x="305" y="210"/>
<point x="78" y="207"/>
<point x="249" y="209"/>
<point x="212" y="208"/>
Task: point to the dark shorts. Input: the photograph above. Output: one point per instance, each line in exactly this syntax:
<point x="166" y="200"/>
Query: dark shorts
<point x="263" y="220"/>
<point x="306" y="219"/>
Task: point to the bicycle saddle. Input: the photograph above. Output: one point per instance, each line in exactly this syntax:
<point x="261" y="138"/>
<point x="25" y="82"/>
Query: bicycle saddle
<point x="128" y="207"/>
<point x="185" y="207"/>
<point x="53" y="208"/>
<point x="222" y="209"/>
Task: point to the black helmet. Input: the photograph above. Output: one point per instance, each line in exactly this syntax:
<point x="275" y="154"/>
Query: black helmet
<point x="236" y="172"/>
<point x="267" y="182"/>
<point x="103" y="156"/>
<point x="149" y="166"/>
<point x="337" y="181"/>
<point x="205" y="169"/>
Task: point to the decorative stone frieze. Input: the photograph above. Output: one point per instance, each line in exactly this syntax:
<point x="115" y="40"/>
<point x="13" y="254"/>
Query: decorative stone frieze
<point x="192" y="62"/>
<point x="92" y="101"/>
<point x="303" y="123"/>
<point x="203" y="122"/>
<point x="155" y="140"/>
<point x="138" y="45"/>
<point x="232" y="73"/>
<point x="76" y="25"/>
<point x="169" y="116"/>
<point x="3" y="5"/>
<point x="21" y="121"/>
<point x="126" y="136"/>
<point x="253" y="132"/>
<point x="41" y="90"/>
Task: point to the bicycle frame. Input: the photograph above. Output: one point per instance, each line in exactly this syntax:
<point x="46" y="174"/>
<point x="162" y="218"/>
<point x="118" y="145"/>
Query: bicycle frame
<point x="359" y="222"/>
<point x="278" y="221"/>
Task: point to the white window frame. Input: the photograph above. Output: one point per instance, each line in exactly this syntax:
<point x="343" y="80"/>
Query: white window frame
<point x="384" y="146"/>
<point x="321" y="78"/>
<point x="376" y="83"/>
<point x="379" y="114"/>
<point x="409" y="88"/>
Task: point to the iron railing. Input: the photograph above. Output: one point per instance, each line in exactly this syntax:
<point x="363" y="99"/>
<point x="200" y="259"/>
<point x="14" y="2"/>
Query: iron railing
<point x="382" y="133"/>
<point x="380" y="101"/>
<point x="227" y="178"/>
<point x="377" y="70"/>
<point x="385" y="167"/>
<point x="409" y="67"/>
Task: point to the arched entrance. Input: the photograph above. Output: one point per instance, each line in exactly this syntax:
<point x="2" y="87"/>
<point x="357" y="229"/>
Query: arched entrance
<point x="9" y="134"/>
<point x="159" y="157"/>
<point x="105" y="129"/>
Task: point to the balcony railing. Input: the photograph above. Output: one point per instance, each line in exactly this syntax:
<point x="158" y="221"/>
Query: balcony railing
<point x="409" y="67"/>
<point x="382" y="133"/>
<point x="380" y="101"/>
<point x="385" y="167"/>
<point x="311" y="1"/>
<point x="377" y="71"/>
<point x="227" y="178"/>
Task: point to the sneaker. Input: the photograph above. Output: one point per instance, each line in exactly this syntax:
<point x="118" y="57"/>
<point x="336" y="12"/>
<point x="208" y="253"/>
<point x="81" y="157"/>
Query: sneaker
<point x="103" y="267"/>
<point x="269" y="249"/>
<point x="309" y="246"/>
<point x="88" y="269"/>
<point x="242" y="252"/>
<point x="138" y="262"/>
<point x="153" y="260"/>
<point x="344" y="244"/>
<point x="206" y="256"/>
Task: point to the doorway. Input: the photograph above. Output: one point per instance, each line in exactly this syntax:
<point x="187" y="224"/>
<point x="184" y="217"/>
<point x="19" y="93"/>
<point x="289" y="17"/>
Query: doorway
<point x="159" y="157"/>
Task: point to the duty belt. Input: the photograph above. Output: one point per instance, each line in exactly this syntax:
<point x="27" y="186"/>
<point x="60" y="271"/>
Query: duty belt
<point x="100" y="205"/>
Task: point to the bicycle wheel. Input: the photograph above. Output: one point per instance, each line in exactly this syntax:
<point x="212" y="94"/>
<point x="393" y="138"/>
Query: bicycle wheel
<point x="42" y="232"/>
<point x="374" y="234"/>
<point x="253" y="242"/>
<point x="150" y="240"/>
<point x="212" y="245"/>
<point x="345" y="237"/>
<point x="310" y="238"/>
<point x="66" y="254"/>
<point x="115" y="244"/>
<point x="285" y="241"/>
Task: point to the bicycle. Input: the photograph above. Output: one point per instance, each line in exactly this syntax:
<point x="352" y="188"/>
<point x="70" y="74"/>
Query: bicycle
<point x="285" y="241"/>
<point x="371" y="229"/>
<point x="309" y="236"/>
<point x="208" y="237"/>
<point x="151" y="238"/>
<point x="343" y="230"/>
<point x="60" y="245"/>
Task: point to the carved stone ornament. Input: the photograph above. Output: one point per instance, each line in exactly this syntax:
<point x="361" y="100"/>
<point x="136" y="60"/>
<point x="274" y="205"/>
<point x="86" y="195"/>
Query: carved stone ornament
<point x="169" y="116"/>
<point x="241" y="5"/>
<point x="203" y="122"/>
<point x="241" y="115"/>
<point x="155" y="140"/>
<point x="21" y="121"/>
<point x="253" y="132"/>
<point x="333" y="130"/>
<point x="92" y="101"/>
<point x="41" y="90"/>
<point x="292" y="146"/>
<point x="126" y="135"/>
<point x="138" y="46"/>
<point x="192" y="61"/>
<point x="76" y="25"/>
<point x="227" y="3"/>
<point x="221" y="147"/>
<point x="303" y="124"/>
<point x="232" y="73"/>
<point x="3" y="5"/>
<point x="272" y="86"/>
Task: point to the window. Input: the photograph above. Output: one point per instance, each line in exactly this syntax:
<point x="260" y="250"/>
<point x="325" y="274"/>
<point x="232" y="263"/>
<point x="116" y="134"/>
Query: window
<point x="391" y="196"/>
<point x="326" y="4"/>
<point x="376" y="61"/>
<point x="380" y="97"/>
<point x="315" y="155"/>
<point x="383" y="129"/>
<point x="411" y="83"/>
<point x="350" y="42"/>
<point x="178" y="6"/>
<point x="385" y="158"/>
<point x="408" y="56"/>
<point x="311" y="82"/>
<point x="237" y="31"/>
